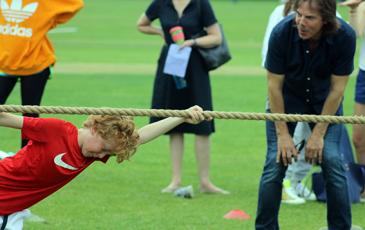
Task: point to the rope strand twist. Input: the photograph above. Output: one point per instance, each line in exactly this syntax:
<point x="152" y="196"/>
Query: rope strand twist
<point x="182" y="113"/>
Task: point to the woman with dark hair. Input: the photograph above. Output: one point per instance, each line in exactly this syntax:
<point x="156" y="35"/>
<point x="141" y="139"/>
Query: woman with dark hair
<point x="193" y="16"/>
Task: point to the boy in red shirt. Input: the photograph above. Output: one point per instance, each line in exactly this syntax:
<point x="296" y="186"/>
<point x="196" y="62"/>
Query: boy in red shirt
<point x="57" y="152"/>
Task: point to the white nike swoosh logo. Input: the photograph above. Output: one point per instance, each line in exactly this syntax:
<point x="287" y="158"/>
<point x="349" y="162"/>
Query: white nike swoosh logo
<point x="58" y="161"/>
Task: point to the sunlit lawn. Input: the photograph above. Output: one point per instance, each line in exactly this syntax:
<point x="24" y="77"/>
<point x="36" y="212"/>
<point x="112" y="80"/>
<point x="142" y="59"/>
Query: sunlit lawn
<point x="127" y="196"/>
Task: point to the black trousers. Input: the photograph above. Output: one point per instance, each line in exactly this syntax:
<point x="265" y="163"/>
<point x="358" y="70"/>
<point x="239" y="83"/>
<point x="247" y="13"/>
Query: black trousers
<point x="31" y="88"/>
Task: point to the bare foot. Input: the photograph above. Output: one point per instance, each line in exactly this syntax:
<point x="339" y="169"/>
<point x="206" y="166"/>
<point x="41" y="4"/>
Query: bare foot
<point x="210" y="188"/>
<point x="170" y="188"/>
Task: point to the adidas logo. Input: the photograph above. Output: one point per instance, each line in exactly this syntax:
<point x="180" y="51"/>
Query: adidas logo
<point x="15" y="12"/>
<point x="16" y="31"/>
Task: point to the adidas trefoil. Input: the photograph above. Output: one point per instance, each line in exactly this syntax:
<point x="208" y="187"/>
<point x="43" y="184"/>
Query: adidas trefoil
<point x="15" y="13"/>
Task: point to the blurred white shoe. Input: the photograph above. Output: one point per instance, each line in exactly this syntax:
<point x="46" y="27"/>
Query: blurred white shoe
<point x="3" y="155"/>
<point x="304" y="192"/>
<point x="185" y="192"/>
<point x="35" y="218"/>
<point x="289" y="194"/>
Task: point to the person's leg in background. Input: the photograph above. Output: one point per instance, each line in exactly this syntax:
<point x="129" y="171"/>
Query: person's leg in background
<point x="202" y="153"/>
<point x="7" y="84"/>
<point x="300" y="171"/>
<point x="294" y="190"/>
<point x="358" y="139"/>
<point x="358" y="131"/>
<point x="358" y="135"/>
<point x="32" y="88"/>
<point x="177" y="152"/>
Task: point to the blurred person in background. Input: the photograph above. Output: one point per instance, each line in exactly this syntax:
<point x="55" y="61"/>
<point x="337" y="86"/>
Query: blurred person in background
<point x="357" y="21"/>
<point x="193" y="16"/>
<point x="309" y="59"/>
<point x="26" y="53"/>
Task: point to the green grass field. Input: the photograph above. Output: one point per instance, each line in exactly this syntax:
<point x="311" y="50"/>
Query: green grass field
<point x="127" y="196"/>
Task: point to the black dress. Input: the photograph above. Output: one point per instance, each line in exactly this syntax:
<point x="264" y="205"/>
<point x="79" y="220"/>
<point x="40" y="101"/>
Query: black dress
<point x="198" y="90"/>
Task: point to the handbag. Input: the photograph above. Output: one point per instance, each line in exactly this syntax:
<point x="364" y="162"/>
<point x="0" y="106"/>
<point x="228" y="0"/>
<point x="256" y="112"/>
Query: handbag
<point x="355" y="173"/>
<point x="216" y="56"/>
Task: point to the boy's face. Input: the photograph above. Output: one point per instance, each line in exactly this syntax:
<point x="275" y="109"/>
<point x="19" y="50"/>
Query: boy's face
<point x="95" y="146"/>
<point x="309" y="21"/>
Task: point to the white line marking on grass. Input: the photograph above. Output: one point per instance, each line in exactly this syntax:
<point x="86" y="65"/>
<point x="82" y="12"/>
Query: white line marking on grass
<point x="63" y="30"/>
<point x="148" y="69"/>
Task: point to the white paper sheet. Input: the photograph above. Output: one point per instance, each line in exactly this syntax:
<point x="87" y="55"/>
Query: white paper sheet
<point x="177" y="60"/>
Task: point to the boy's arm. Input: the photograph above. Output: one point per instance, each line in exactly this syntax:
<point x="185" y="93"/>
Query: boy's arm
<point x="11" y="121"/>
<point x="151" y="131"/>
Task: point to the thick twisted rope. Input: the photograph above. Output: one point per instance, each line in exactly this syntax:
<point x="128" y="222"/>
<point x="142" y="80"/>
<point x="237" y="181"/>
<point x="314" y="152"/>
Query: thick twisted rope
<point x="182" y="113"/>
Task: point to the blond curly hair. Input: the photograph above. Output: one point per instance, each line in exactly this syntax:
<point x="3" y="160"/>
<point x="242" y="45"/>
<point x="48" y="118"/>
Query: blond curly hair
<point x="120" y="129"/>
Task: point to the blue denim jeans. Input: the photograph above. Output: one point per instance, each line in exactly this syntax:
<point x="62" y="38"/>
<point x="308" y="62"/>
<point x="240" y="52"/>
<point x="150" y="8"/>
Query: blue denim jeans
<point x="338" y="203"/>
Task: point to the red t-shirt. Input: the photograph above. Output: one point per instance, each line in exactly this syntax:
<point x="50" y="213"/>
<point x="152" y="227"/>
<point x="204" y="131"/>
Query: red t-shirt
<point x="51" y="159"/>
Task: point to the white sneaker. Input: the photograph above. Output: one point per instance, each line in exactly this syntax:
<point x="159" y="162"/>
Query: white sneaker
<point x="289" y="195"/>
<point x="304" y="192"/>
<point x="35" y="218"/>
<point x="3" y="155"/>
<point x="185" y="192"/>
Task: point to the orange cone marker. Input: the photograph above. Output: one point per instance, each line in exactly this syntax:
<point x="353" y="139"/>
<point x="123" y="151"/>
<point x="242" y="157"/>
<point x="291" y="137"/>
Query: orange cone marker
<point x="237" y="214"/>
